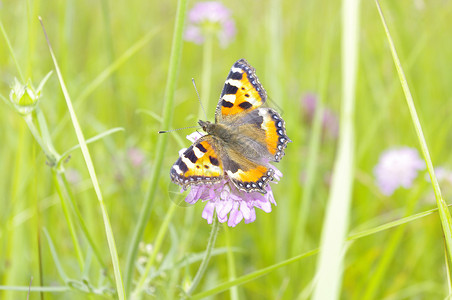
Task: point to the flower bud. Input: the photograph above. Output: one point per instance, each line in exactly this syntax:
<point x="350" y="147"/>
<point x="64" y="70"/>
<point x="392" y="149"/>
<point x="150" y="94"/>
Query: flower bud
<point x="24" y="97"/>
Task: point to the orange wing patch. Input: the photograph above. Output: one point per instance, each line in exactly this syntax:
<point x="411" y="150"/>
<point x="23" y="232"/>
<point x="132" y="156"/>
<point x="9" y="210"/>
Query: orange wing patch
<point x="275" y="132"/>
<point x="242" y="91"/>
<point x="199" y="164"/>
<point x="255" y="178"/>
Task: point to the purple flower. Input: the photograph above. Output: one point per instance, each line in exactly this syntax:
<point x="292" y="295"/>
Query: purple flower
<point x="231" y="204"/>
<point x="397" y="168"/>
<point x="330" y="122"/>
<point x="210" y="18"/>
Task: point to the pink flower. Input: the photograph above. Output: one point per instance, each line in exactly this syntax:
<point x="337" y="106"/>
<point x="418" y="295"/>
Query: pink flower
<point x="230" y="204"/>
<point x="397" y="168"/>
<point x="210" y="18"/>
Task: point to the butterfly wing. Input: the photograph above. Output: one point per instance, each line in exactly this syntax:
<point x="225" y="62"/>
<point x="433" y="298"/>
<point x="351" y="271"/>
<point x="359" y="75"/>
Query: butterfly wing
<point x="242" y="92"/>
<point x="199" y="164"/>
<point x="261" y="135"/>
<point x="246" y="175"/>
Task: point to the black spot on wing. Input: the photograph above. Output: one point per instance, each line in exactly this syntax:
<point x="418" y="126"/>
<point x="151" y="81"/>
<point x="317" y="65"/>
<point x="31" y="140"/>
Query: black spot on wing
<point x="229" y="89"/>
<point x="190" y="154"/>
<point x="182" y="166"/>
<point x="201" y="148"/>
<point x="245" y="105"/>
<point x="235" y="76"/>
<point x="258" y="121"/>
<point x="227" y="104"/>
<point x="214" y="161"/>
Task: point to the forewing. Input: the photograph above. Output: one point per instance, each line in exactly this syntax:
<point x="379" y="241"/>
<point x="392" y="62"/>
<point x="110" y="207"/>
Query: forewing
<point x="242" y="92"/>
<point x="199" y="164"/>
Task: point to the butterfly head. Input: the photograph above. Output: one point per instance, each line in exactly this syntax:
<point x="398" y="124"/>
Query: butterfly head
<point x="206" y="126"/>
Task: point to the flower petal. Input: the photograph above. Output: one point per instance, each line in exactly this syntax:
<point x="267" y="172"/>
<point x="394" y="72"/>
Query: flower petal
<point x="207" y="213"/>
<point x="246" y="211"/>
<point x="252" y="217"/>
<point x="235" y="216"/>
<point x="223" y="207"/>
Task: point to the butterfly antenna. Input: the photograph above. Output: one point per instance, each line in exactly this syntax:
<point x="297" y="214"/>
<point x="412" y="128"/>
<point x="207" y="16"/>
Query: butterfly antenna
<point x="165" y="131"/>
<point x="199" y="98"/>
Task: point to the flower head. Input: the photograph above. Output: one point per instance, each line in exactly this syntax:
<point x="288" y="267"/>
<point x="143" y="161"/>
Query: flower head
<point x="231" y="204"/>
<point x="397" y="168"/>
<point x="207" y="18"/>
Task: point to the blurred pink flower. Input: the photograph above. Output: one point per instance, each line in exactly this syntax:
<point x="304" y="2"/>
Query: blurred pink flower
<point x="396" y="168"/>
<point x="210" y="17"/>
<point x="330" y="122"/>
<point x="225" y="198"/>
<point x="136" y="157"/>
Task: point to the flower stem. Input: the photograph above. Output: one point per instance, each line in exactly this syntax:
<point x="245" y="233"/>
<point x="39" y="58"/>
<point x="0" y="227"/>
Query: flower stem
<point x="205" y="260"/>
<point x="231" y="263"/>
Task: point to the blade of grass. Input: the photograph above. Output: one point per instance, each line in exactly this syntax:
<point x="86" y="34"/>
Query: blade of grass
<point x="89" y="141"/>
<point x="10" y="48"/>
<point x="232" y="274"/>
<point x="330" y="260"/>
<point x="56" y="260"/>
<point x="256" y="274"/>
<point x="68" y="218"/>
<point x="92" y="173"/>
<point x="444" y="214"/>
<point x="251" y="276"/>
<point x="145" y="212"/>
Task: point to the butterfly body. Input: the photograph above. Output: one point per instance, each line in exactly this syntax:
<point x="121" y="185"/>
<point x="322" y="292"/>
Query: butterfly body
<point x="240" y="144"/>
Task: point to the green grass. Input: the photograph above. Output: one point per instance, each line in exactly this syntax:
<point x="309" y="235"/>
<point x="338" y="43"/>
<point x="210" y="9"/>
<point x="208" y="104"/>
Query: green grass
<point x="62" y="226"/>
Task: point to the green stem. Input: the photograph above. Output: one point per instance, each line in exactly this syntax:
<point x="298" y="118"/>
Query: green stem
<point x="83" y="225"/>
<point x="69" y="221"/>
<point x="157" y="245"/>
<point x="206" y="75"/>
<point x="168" y="110"/>
<point x="231" y="263"/>
<point x="205" y="260"/>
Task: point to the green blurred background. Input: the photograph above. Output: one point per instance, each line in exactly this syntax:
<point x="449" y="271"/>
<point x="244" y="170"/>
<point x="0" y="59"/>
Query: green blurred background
<point x="286" y="42"/>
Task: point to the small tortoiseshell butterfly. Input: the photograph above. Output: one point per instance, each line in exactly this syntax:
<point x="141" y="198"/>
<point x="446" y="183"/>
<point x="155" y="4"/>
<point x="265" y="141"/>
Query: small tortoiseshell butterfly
<point x="243" y="140"/>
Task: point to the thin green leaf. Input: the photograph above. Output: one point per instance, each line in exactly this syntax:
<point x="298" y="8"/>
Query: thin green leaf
<point x="92" y="173"/>
<point x="89" y="141"/>
<point x="251" y="276"/>
<point x="444" y="214"/>
<point x="56" y="260"/>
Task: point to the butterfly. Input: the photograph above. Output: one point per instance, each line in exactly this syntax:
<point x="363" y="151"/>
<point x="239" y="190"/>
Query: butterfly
<point x="240" y="144"/>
